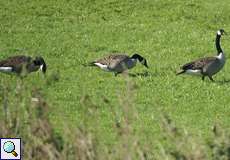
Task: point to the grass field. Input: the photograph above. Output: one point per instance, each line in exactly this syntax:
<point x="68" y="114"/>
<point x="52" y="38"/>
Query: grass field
<point x="167" y="33"/>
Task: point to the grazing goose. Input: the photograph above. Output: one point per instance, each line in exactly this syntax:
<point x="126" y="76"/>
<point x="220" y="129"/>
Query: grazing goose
<point x="207" y="66"/>
<point x="22" y="64"/>
<point x="118" y="63"/>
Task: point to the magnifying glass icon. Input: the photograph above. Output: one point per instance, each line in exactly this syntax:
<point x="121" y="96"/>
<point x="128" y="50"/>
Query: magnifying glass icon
<point x="9" y="147"/>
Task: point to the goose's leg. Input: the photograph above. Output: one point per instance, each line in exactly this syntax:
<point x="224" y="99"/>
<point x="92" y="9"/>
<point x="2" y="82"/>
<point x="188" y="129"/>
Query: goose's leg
<point x="210" y="77"/>
<point x="125" y="72"/>
<point x="203" y="77"/>
<point x="202" y="73"/>
<point x="116" y="73"/>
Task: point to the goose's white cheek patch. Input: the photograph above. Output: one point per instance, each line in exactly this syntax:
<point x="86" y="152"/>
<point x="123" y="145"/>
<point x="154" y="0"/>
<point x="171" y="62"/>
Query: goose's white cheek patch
<point x="219" y="33"/>
<point x="41" y="67"/>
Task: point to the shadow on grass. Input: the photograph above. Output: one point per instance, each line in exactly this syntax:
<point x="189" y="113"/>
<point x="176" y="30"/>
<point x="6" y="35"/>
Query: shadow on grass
<point x="223" y="82"/>
<point x="143" y="74"/>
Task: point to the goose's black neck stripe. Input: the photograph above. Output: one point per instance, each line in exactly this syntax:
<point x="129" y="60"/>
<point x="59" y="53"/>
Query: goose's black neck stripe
<point x="218" y="47"/>
<point x="137" y="56"/>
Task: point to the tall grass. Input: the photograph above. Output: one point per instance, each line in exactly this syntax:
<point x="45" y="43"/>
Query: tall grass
<point x="25" y="114"/>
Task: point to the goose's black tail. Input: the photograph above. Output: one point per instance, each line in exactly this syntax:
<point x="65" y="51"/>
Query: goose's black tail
<point x="90" y="64"/>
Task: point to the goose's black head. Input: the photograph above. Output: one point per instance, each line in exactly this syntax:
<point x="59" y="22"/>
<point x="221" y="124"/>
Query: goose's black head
<point x="221" y="32"/>
<point x="39" y="61"/>
<point x="141" y="59"/>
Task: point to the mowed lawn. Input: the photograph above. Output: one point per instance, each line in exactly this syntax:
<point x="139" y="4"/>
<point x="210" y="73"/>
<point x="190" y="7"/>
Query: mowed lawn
<point x="167" y="33"/>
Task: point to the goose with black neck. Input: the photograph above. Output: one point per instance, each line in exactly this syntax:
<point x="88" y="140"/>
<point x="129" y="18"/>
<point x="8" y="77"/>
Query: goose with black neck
<point x="118" y="63"/>
<point x="207" y="66"/>
<point x="22" y="65"/>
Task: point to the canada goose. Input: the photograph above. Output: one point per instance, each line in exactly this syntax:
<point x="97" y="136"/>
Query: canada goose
<point x="19" y="64"/>
<point x="207" y="66"/>
<point x="118" y="63"/>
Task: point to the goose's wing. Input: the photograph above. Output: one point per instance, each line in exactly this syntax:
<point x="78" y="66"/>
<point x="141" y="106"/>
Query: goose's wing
<point x="15" y="60"/>
<point x="13" y="64"/>
<point x="199" y="64"/>
<point x="112" y="59"/>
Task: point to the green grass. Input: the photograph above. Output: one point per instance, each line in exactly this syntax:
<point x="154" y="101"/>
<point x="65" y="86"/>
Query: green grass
<point x="167" y="33"/>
